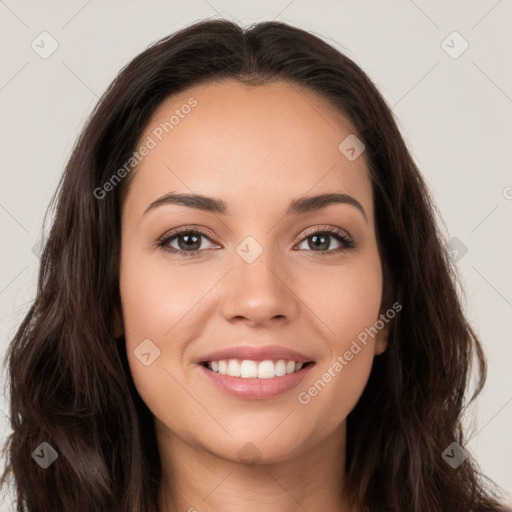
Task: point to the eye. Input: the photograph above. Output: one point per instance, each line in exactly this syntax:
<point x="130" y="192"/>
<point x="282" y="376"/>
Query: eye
<point x="320" y="239"/>
<point x="189" y="242"/>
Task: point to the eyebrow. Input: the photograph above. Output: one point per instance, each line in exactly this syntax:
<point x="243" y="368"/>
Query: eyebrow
<point x="298" y="206"/>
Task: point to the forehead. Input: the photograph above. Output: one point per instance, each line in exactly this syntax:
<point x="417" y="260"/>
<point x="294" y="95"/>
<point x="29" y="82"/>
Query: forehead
<point x="251" y="146"/>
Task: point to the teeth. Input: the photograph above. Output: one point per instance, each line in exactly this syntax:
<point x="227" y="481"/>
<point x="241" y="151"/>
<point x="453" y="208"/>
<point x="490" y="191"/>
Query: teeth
<point x="233" y="368"/>
<point x="266" y="370"/>
<point x="248" y="369"/>
<point x="253" y="369"/>
<point x="280" y="368"/>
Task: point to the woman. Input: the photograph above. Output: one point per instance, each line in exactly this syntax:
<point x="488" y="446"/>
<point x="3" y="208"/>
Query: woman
<point x="244" y="302"/>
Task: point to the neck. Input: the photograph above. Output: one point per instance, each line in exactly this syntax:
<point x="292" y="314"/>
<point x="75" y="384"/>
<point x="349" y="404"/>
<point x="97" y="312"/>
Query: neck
<point x="196" y="479"/>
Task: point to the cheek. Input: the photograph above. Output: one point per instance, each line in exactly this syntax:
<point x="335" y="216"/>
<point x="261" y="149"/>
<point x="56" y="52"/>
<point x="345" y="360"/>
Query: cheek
<point x="167" y="304"/>
<point x="156" y="299"/>
<point x="347" y="301"/>
<point x="346" y="298"/>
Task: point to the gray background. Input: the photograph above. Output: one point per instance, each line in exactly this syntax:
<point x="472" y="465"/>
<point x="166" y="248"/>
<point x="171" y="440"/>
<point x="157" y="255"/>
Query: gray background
<point x="454" y="114"/>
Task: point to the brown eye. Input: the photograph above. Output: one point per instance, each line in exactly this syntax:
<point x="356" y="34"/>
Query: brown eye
<point x="321" y="241"/>
<point x="188" y="242"/>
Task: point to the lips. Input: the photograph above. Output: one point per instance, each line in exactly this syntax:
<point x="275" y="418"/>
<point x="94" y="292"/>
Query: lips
<point x="255" y="388"/>
<point x="268" y="381"/>
<point x="272" y="352"/>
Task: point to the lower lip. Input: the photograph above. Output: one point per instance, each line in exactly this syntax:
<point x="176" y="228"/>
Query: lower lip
<point x="256" y="389"/>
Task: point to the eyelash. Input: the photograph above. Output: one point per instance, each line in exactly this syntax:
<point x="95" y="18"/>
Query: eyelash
<point x="341" y="236"/>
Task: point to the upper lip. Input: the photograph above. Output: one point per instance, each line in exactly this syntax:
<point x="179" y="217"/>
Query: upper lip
<point x="274" y="352"/>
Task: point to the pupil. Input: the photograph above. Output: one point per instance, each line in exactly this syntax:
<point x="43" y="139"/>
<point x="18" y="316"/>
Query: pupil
<point x="316" y="238"/>
<point x="188" y="245"/>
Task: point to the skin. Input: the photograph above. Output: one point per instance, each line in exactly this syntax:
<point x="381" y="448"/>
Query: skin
<point x="256" y="148"/>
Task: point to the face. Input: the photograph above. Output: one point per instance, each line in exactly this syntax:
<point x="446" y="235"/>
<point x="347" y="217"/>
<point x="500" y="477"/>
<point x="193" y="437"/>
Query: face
<point x="260" y="274"/>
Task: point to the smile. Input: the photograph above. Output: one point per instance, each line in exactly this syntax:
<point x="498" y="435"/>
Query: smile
<point x="248" y="368"/>
<point x="254" y="380"/>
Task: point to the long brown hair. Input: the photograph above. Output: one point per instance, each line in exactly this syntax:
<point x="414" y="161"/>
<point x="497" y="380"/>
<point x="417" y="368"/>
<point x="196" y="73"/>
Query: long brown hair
<point x="70" y="385"/>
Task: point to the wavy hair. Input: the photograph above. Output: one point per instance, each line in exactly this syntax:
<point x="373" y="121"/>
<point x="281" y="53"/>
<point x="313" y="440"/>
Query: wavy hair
<point x="69" y="380"/>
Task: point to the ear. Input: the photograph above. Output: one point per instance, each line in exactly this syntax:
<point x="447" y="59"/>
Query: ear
<point x="386" y="314"/>
<point x="118" y="322"/>
<point x="381" y="338"/>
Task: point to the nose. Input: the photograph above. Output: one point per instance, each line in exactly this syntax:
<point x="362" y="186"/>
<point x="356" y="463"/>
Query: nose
<point x="259" y="292"/>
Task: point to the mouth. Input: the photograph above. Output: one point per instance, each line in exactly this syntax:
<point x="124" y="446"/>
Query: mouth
<point x="255" y="380"/>
<point x="252" y="369"/>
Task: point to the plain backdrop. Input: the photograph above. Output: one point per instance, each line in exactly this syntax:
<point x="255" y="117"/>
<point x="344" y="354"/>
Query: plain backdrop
<point x="451" y="94"/>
